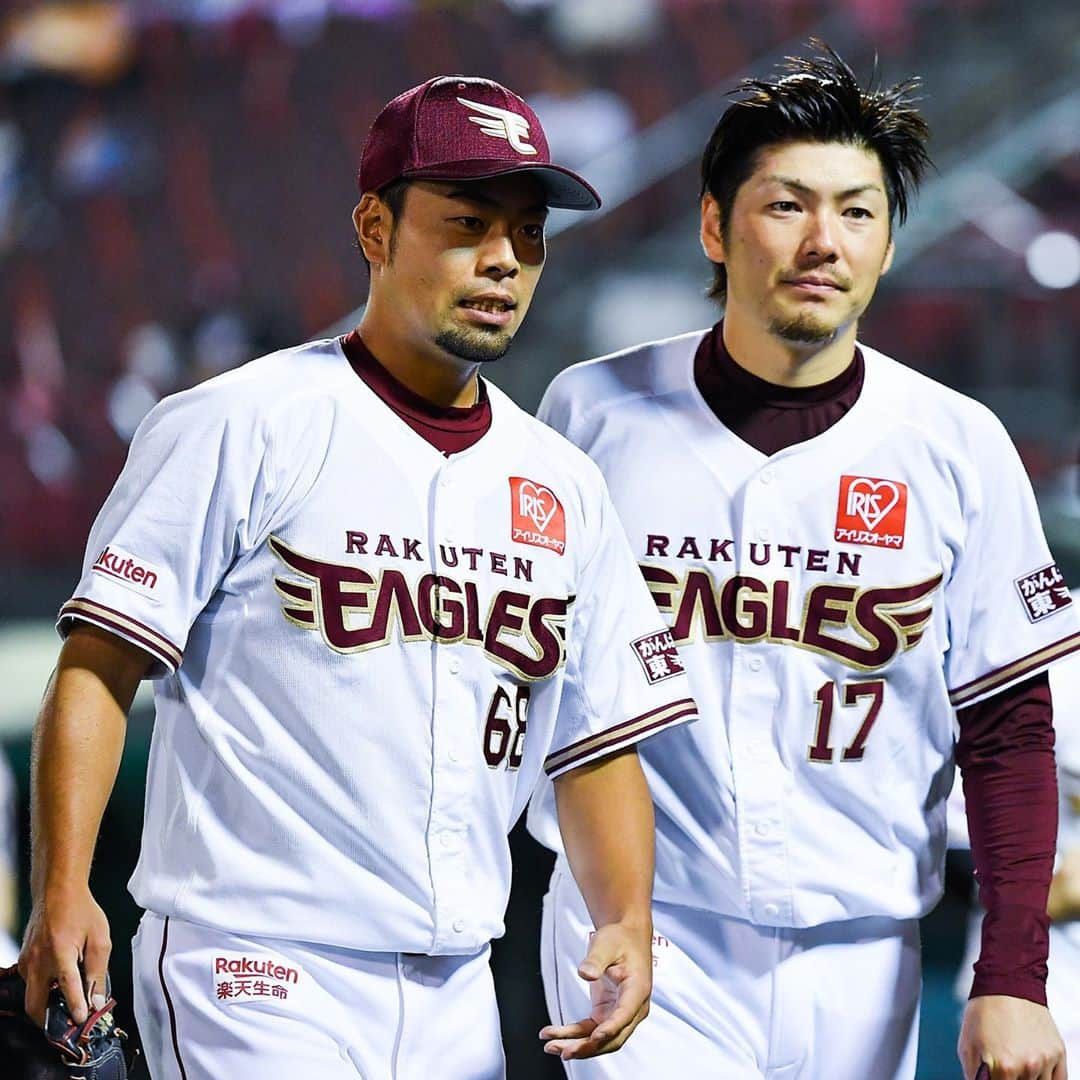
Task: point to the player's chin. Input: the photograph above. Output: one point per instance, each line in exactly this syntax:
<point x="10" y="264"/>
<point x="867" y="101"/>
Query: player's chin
<point x="476" y="344"/>
<point x="804" y="328"/>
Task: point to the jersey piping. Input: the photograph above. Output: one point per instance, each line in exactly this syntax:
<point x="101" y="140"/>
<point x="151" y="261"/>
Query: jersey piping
<point x="629" y="731"/>
<point x="1001" y="677"/>
<point x="130" y="629"/>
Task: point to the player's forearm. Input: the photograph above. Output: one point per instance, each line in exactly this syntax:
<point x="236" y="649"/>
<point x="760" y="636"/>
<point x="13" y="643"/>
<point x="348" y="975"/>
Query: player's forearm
<point x="606" y="821"/>
<point x="1012" y="818"/>
<point x="1010" y="787"/>
<point x="77" y="746"/>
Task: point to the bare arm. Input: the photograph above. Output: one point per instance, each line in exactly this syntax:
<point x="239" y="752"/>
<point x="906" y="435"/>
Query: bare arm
<point x="606" y="821"/>
<point x="76" y="752"/>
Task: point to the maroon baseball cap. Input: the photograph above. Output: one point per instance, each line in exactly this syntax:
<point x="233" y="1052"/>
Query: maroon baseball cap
<point x="455" y="127"/>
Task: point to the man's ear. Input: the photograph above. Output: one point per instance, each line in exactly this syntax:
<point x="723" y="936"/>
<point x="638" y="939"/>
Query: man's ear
<point x="373" y="221"/>
<point x="712" y="233"/>
<point x="890" y="251"/>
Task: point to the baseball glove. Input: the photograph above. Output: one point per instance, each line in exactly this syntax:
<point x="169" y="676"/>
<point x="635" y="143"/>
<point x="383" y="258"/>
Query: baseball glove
<point x="92" y="1050"/>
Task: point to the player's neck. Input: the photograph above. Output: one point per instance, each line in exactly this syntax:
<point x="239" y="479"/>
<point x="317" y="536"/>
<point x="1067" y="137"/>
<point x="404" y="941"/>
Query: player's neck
<point x="432" y="377"/>
<point x="784" y="363"/>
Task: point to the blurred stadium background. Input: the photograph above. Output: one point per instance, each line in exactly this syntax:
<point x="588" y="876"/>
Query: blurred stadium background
<point x="176" y="180"/>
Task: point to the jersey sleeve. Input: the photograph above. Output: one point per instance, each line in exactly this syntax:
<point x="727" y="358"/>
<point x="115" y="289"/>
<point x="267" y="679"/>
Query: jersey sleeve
<point x="1065" y="687"/>
<point x="624" y="679"/>
<point x="557" y="406"/>
<point x="186" y="504"/>
<point x="1009" y="610"/>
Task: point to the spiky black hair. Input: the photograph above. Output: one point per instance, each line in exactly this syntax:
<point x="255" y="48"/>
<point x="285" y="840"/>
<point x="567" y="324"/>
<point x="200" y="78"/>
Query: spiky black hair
<point x="817" y="99"/>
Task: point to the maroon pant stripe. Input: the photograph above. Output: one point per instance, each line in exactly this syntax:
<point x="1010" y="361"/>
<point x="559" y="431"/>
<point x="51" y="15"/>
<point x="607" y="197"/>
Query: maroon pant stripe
<point x="555" y="951"/>
<point x="168" y="999"/>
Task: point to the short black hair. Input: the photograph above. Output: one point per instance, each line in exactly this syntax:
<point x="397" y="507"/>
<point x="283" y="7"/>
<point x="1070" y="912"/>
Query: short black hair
<point x="816" y="99"/>
<point x="393" y="195"/>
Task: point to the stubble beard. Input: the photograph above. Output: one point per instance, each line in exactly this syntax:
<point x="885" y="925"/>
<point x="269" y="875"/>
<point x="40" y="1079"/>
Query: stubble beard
<point x="474" y="345"/>
<point x="803" y="329"/>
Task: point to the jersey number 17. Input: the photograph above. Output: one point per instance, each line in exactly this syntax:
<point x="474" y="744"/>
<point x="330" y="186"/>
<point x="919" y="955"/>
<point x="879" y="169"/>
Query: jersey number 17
<point x="853" y="693"/>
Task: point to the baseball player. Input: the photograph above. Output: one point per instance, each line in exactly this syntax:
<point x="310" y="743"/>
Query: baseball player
<point x="378" y="601"/>
<point x="846" y="552"/>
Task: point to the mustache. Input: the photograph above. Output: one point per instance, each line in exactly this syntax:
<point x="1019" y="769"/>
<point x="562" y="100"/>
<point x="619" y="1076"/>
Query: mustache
<point x="839" y="281"/>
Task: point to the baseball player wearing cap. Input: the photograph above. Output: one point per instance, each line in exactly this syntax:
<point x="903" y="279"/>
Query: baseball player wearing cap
<point x="378" y="601"/>
<point x="846" y="552"/>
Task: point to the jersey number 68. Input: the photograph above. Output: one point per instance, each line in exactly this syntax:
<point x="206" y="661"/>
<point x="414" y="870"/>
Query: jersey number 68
<point x="504" y="731"/>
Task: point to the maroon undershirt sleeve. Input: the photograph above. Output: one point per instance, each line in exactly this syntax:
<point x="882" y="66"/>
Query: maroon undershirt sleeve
<point x="1006" y="756"/>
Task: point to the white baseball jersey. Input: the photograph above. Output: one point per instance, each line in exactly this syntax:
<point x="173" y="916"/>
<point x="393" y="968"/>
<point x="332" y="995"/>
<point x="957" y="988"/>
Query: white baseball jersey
<point x="833" y="603"/>
<point x="367" y="652"/>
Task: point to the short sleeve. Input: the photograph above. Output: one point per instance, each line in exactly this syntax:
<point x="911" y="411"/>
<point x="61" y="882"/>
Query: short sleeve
<point x="624" y="678"/>
<point x="557" y="405"/>
<point x="1009" y="610"/>
<point x="186" y="504"/>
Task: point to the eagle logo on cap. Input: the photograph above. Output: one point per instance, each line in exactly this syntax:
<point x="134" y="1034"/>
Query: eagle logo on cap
<point x="501" y="124"/>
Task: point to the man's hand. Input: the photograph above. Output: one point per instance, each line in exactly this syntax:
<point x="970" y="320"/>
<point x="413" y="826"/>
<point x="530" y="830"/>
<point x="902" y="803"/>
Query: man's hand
<point x="67" y="941"/>
<point x="618" y="968"/>
<point x="1016" y="1038"/>
<point x="76" y="751"/>
<point x="606" y="820"/>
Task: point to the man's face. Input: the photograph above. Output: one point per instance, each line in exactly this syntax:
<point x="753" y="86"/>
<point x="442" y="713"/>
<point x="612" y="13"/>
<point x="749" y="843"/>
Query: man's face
<point x="807" y="241"/>
<point x="465" y="261"/>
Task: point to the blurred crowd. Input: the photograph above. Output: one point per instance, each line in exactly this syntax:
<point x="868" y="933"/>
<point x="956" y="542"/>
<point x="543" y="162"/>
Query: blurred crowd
<point x="176" y="179"/>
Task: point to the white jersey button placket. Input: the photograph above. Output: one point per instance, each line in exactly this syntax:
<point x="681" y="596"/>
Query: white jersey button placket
<point x="453" y="707"/>
<point x="762" y="836"/>
<point x="760" y="780"/>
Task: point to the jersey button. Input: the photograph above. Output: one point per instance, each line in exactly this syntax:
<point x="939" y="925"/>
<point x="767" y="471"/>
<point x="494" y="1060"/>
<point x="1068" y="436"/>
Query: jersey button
<point x="762" y="829"/>
<point x="459" y="925"/>
<point x="754" y="663"/>
<point x="763" y="534"/>
<point x="454" y="666"/>
<point x="766" y="476"/>
<point x="771" y="911"/>
<point x="452" y="755"/>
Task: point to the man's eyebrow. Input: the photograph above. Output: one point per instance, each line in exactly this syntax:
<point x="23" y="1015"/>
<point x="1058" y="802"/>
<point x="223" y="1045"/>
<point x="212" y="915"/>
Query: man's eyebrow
<point x="486" y="200"/>
<point x="797" y="185"/>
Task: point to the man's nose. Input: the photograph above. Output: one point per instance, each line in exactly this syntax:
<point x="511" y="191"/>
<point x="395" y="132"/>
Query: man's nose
<point x="497" y="256"/>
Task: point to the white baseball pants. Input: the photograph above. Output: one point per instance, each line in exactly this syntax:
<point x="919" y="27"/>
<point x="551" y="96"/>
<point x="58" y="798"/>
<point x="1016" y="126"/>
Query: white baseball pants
<point x="742" y="1002"/>
<point x="211" y="1004"/>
